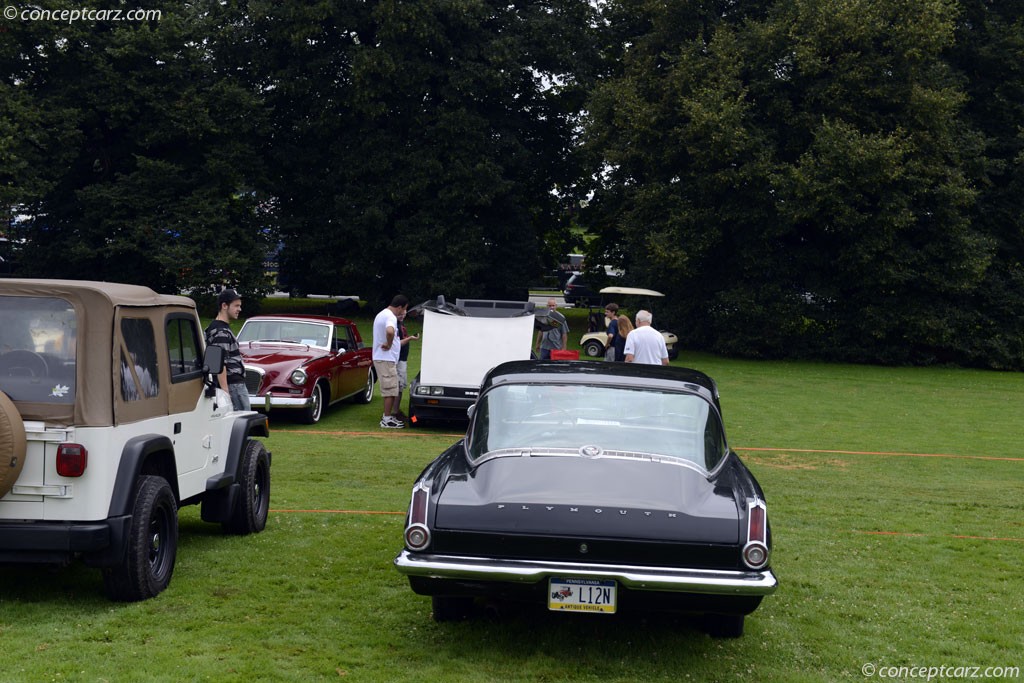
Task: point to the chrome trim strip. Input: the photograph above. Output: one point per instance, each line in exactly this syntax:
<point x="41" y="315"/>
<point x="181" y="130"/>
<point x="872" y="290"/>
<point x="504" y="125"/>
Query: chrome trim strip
<point x="752" y="503"/>
<point x="259" y="402"/>
<point x="575" y="452"/>
<point x="410" y="517"/>
<point x="708" y="581"/>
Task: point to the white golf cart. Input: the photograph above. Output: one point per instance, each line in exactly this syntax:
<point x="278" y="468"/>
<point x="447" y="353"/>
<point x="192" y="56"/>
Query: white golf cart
<point x="594" y="341"/>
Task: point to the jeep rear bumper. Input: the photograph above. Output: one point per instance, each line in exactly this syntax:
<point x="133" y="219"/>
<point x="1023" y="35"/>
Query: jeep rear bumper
<point x="101" y="543"/>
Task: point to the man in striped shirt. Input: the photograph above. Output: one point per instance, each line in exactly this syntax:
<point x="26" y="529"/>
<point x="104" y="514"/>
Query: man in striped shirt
<point x="218" y="333"/>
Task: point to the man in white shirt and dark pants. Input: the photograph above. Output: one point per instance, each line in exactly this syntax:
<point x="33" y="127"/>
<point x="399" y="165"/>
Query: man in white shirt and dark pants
<point x="645" y="344"/>
<point x="386" y="349"/>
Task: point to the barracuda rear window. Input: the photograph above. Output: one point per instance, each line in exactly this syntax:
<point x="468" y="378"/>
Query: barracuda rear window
<point x="549" y="416"/>
<point x="38" y="340"/>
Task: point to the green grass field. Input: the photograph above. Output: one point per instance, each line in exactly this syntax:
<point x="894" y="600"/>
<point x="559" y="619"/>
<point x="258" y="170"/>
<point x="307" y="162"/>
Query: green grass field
<point x="887" y="555"/>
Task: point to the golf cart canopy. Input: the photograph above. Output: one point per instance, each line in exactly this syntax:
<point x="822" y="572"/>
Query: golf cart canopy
<point x="630" y="291"/>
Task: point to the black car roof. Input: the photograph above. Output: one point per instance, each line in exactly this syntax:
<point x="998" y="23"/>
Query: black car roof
<point x="581" y="371"/>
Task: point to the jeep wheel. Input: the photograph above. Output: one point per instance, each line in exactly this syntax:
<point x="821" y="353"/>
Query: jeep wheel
<point x="595" y="349"/>
<point x="311" y="415"/>
<point x="366" y="395"/>
<point x="152" y="544"/>
<point x="250" y="514"/>
<point x="12" y="444"/>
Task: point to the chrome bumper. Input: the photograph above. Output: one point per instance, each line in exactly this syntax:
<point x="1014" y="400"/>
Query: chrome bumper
<point x="709" y="581"/>
<point x="267" y="402"/>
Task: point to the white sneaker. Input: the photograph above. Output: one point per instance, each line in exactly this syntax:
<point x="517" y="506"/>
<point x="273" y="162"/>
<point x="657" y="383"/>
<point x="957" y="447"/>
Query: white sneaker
<point x="391" y="422"/>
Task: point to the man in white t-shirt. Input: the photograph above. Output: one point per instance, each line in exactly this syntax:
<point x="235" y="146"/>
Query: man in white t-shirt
<point x="645" y="344"/>
<point x="386" y="349"/>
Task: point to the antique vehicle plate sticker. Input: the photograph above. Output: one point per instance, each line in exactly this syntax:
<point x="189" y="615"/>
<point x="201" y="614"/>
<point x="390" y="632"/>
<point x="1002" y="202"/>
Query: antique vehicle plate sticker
<point x="582" y="595"/>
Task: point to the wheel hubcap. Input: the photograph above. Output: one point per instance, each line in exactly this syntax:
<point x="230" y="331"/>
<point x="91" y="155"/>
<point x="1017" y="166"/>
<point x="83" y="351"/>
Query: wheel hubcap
<point x="157" y="529"/>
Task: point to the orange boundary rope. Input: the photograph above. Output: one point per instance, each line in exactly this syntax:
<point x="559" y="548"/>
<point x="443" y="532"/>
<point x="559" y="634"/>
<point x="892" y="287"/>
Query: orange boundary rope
<point x="738" y="448"/>
<point x="919" y="455"/>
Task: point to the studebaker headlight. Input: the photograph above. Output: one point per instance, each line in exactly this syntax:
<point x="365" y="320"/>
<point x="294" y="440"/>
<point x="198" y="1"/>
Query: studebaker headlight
<point x="298" y="377"/>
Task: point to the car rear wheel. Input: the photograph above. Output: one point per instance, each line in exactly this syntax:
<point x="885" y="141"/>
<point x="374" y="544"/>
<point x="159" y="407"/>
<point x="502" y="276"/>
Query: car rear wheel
<point x="250" y="514"/>
<point x="12" y="444"/>
<point x="366" y="395"/>
<point x="152" y="544"/>
<point x="723" y="625"/>
<point x="594" y="349"/>
<point x="311" y="415"/>
<point x="447" y="608"/>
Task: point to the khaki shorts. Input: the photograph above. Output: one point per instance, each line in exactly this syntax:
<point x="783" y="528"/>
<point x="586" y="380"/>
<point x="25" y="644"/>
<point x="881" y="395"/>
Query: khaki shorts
<point x="387" y="375"/>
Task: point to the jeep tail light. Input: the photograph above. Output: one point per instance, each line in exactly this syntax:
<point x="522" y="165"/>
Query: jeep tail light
<point x="71" y="459"/>
<point x="755" y="552"/>
<point x="417" y="534"/>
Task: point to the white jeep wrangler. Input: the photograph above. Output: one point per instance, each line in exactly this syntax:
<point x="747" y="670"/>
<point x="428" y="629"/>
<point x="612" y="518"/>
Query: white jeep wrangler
<point x="109" y="422"/>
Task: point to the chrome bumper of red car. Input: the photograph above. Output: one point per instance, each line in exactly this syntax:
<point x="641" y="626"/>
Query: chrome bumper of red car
<point x="266" y="402"/>
<point x="711" y="581"/>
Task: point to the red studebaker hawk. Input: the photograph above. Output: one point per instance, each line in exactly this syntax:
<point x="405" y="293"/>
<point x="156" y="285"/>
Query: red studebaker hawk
<point x="305" y="363"/>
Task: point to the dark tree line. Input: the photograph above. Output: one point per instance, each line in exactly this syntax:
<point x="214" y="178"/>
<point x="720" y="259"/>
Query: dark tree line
<point x="820" y="178"/>
<point x="809" y="178"/>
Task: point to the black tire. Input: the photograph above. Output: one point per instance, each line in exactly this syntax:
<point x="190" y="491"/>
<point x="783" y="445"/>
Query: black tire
<point x="152" y="544"/>
<point x="723" y="625"/>
<point x="366" y="395"/>
<point x="447" y="608"/>
<point x="673" y="354"/>
<point x="312" y="414"/>
<point x="250" y="513"/>
<point x="594" y="349"/>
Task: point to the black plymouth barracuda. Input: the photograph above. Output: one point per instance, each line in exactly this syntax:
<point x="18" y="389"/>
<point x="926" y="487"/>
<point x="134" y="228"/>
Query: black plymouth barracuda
<point x="592" y="487"/>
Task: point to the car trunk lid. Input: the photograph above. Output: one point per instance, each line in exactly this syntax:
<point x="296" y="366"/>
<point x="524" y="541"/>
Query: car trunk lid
<point x="590" y="497"/>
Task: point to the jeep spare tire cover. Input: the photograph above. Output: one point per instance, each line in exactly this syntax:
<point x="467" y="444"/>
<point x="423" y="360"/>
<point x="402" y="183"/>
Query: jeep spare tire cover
<point x="12" y="444"/>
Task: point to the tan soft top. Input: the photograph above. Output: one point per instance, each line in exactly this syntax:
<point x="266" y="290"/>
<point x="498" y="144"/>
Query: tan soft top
<point x="103" y="294"/>
<point x="96" y="304"/>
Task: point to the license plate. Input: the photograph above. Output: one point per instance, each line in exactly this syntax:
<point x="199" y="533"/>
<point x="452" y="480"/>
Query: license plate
<point x="582" y="595"/>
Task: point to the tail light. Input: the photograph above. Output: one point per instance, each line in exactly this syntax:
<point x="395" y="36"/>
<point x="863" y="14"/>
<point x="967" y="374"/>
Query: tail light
<point x="755" y="552"/>
<point x="417" y="534"/>
<point x="72" y="459"/>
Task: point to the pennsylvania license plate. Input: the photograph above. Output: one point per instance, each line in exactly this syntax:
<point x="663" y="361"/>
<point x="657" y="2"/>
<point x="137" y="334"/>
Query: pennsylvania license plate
<point x="582" y="595"/>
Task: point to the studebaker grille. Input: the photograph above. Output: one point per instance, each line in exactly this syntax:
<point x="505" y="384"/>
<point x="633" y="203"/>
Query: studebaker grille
<point x="253" y="380"/>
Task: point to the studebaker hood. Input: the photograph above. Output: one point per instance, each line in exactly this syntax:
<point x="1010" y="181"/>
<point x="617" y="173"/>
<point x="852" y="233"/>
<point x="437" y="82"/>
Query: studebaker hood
<point x="267" y="355"/>
<point x="605" y="497"/>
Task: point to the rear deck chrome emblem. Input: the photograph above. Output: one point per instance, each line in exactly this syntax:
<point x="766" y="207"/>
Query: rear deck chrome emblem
<point x="590" y="451"/>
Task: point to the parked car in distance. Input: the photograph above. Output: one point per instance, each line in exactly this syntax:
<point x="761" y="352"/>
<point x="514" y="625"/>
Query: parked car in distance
<point x="592" y="487"/>
<point x="448" y="383"/>
<point x="578" y="293"/>
<point x="305" y="363"/>
<point x="593" y="343"/>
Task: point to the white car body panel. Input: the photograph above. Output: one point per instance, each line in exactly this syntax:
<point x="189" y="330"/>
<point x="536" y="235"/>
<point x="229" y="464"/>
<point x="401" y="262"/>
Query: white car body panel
<point x="459" y="350"/>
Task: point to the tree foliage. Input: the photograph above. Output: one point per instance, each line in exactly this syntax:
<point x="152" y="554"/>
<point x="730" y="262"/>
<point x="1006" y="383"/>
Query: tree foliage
<point x="800" y="176"/>
<point x="130" y="149"/>
<point x="825" y="178"/>
<point x="417" y="144"/>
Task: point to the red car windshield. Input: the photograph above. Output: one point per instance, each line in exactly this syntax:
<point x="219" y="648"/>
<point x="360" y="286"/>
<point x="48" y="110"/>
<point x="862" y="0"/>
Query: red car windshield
<point x="286" y="332"/>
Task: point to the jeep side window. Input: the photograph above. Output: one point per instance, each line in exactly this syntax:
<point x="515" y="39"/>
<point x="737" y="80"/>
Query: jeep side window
<point x="138" y="370"/>
<point x="183" y="347"/>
